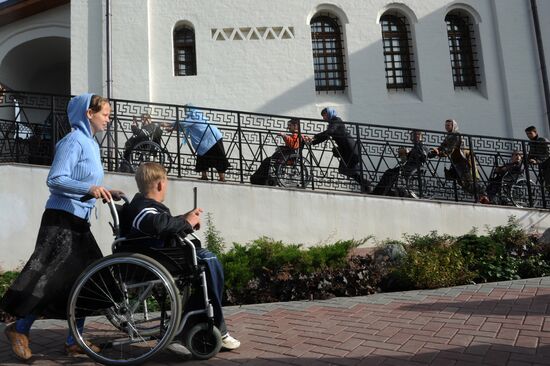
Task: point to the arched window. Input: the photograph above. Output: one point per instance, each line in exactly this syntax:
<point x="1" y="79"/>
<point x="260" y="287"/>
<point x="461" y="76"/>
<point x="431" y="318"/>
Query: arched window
<point x="185" y="59"/>
<point x="462" y="49"/>
<point x="398" y="60"/>
<point x="328" y="54"/>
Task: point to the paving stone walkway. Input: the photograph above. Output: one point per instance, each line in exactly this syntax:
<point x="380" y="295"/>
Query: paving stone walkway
<point x="504" y="323"/>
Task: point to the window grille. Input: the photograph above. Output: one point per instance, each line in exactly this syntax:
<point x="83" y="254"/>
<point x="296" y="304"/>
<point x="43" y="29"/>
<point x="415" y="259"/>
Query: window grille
<point x="328" y="54"/>
<point x="185" y="61"/>
<point x="460" y="32"/>
<point x="398" y="55"/>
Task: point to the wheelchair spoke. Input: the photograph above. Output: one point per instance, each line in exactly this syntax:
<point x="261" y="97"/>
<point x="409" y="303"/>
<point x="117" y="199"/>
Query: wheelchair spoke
<point x="132" y="305"/>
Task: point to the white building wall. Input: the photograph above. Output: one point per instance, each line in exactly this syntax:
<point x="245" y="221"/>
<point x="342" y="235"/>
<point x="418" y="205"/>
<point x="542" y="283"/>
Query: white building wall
<point x="243" y="213"/>
<point x="88" y="47"/>
<point x="52" y="23"/>
<point x="276" y="75"/>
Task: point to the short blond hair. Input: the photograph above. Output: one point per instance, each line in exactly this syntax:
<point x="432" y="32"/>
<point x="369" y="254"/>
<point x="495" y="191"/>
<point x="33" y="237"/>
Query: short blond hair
<point x="148" y="174"/>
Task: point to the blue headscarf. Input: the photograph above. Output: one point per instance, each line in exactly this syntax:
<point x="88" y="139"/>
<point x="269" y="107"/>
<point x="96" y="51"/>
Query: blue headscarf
<point x="331" y="112"/>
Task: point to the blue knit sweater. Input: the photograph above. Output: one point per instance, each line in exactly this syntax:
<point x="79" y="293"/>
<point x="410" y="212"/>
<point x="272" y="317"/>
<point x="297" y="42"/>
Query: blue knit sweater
<point x="203" y="135"/>
<point x="77" y="164"/>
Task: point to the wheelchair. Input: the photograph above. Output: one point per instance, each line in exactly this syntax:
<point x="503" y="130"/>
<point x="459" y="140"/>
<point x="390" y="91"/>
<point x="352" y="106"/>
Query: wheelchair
<point x="142" y="147"/>
<point x="514" y="190"/>
<point x="133" y="302"/>
<point x="416" y="184"/>
<point x="149" y="151"/>
<point x="286" y="169"/>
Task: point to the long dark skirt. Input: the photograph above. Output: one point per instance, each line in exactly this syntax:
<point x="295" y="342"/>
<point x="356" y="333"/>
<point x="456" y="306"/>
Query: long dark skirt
<point x="213" y="158"/>
<point x="64" y="248"/>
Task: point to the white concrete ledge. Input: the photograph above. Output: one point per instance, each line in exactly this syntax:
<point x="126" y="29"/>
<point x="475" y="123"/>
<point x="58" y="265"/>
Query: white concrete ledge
<point x="242" y="212"/>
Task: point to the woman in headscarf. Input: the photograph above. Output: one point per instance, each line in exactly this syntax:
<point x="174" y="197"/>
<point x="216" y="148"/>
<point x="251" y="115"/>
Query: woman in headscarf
<point x="65" y="245"/>
<point x="347" y="149"/>
<point x="460" y="161"/>
<point x="208" y="143"/>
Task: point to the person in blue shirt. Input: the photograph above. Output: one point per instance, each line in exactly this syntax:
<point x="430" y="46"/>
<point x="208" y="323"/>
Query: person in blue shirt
<point x="65" y="245"/>
<point x="207" y="141"/>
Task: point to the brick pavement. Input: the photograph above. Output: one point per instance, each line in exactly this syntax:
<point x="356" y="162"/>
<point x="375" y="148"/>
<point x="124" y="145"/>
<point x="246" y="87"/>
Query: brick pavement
<point x="505" y="323"/>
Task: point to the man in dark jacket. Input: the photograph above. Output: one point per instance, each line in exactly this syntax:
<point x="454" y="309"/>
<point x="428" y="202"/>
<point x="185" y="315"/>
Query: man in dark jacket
<point x="539" y="153"/>
<point x="347" y="149"/>
<point x="146" y="215"/>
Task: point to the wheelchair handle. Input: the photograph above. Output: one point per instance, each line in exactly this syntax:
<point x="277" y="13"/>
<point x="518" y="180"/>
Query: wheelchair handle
<point x="112" y="208"/>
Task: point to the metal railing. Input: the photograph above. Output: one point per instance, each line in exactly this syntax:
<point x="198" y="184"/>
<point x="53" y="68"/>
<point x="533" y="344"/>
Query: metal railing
<point x="32" y="123"/>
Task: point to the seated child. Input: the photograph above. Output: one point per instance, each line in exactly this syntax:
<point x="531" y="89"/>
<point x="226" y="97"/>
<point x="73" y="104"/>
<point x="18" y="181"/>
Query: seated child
<point x="292" y="143"/>
<point x="147" y="215"/>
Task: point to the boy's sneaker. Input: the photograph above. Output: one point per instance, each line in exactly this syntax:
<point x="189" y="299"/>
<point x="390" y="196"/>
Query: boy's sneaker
<point x="229" y="342"/>
<point x="19" y="343"/>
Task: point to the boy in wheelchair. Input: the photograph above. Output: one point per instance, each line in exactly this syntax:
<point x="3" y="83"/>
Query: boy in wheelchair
<point x="504" y="176"/>
<point x="146" y="215"/>
<point x="264" y="174"/>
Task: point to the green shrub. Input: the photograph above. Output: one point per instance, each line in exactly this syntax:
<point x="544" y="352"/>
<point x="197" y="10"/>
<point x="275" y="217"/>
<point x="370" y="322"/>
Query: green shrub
<point x="487" y="258"/>
<point x="214" y="240"/>
<point x="267" y="257"/>
<point x="332" y="255"/>
<point x="6" y="279"/>
<point x="432" y="261"/>
<point x="511" y="235"/>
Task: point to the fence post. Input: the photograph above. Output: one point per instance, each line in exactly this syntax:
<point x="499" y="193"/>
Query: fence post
<point x="179" y="141"/>
<point x="108" y="136"/>
<point x="358" y="142"/>
<point x="240" y="147"/>
<point x="473" y="168"/>
<point x="115" y="117"/>
<point x="528" y="178"/>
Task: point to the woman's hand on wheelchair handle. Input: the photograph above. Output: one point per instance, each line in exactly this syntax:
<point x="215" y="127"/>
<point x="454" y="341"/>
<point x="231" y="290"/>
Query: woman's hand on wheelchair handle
<point x="100" y="192"/>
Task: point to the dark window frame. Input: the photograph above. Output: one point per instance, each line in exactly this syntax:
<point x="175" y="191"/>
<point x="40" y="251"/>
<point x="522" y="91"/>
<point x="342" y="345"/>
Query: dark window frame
<point x="184" y="47"/>
<point x="398" y="59"/>
<point x="328" y="54"/>
<point x="462" y="50"/>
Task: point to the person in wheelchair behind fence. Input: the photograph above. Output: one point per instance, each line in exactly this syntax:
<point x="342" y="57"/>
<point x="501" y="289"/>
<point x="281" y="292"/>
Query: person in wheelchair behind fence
<point x="148" y="131"/>
<point x="514" y="170"/>
<point x="346" y="150"/>
<point x="460" y="170"/>
<point x="409" y="163"/>
<point x="262" y="175"/>
<point x="147" y="215"/>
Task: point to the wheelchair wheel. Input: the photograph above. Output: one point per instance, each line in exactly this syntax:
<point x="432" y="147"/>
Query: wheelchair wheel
<point x="289" y="172"/>
<point x="132" y="308"/>
<point x="417" y="187"/>
<point x="149" y="151"/>
<point x="518" y="193"/>
<point x="203" y="341"/>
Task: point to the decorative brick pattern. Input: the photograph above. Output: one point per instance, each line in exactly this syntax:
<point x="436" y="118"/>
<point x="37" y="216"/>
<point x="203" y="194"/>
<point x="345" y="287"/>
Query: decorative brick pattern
<point x="252" y="33"/>
<point x="506" y="323"/>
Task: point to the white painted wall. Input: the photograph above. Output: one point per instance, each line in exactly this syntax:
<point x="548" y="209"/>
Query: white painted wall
<point x="243" y="213"/>
<point x="52" y="23"/>
<point x="276" y="76"/>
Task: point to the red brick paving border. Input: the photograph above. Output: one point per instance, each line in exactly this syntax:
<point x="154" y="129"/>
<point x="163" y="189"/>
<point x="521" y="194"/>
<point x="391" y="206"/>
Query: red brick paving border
<point x="496" y="326"/>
